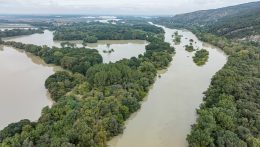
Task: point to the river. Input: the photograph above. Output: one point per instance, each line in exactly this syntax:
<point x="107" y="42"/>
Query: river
<point x="23" y="94"/>
<point x="166" y="114"/>
<point x="23" y="75"/>
<point x="122" y="48"/>
<point x="169" y="110"/>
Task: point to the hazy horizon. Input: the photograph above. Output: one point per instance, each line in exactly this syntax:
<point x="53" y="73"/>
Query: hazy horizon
<point x="112" y="7"/>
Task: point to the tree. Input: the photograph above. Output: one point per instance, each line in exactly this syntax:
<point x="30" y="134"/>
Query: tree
<point x="201" y="57"/>
<point x="90" y="39"/>
<point x="1" y="41"/>
<point x="92" y="99"/>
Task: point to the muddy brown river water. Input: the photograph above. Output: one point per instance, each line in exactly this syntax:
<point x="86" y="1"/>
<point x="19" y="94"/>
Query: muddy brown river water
<point x="166" y="115"/>
<point x="22" y="76"/>
<point x="169" y="110"/>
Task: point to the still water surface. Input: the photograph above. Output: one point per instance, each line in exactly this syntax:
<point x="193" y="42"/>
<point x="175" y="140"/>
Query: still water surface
<point x="122" y="48"/>
<point x="22" y="78"/>
<point x="166" y="115"/>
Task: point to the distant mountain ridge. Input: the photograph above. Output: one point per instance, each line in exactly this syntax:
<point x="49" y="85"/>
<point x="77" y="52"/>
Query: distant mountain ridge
<point x="216" y="14"/>
<point x="232" y="22"/>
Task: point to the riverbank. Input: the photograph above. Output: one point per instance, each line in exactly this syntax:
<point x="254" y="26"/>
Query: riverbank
<point x="165" y="118"/>
<point x="23" y="94"/>
<point x="111" y="92"/>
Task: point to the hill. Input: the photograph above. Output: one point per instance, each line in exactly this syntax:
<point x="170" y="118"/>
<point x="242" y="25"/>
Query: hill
<point x="234" y="22"/>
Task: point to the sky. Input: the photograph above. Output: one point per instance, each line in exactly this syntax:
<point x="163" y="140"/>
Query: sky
<point x="111" y="7"/>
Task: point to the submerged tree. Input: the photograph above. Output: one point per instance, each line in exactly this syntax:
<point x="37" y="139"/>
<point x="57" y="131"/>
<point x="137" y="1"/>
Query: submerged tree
<point x="201" y="57"/>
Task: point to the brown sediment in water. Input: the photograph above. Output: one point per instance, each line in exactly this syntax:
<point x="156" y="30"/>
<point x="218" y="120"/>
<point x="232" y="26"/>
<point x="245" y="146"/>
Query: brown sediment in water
<point x="23" y="94"/>
<point x="169" y="109"/>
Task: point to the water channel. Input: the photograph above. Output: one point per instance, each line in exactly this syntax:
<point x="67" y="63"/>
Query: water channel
<point x="169" y="110"/>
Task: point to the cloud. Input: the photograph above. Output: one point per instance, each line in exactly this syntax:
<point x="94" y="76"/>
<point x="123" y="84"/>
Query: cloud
<point x="147" y="7"/>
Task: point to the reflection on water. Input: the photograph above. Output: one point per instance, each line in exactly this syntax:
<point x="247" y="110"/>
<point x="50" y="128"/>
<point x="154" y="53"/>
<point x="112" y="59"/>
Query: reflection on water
<point x="165" y="118"/>
<point x="122" y="48"/>
<point x="38" y="39"/>
<point x="23" y="94"/>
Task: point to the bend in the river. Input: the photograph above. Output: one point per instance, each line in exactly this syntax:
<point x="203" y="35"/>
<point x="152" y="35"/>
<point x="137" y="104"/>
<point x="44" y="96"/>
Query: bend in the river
<point x="166" y="116"/>
<point x="122" y="48"/>
<point x="23" y="75"/>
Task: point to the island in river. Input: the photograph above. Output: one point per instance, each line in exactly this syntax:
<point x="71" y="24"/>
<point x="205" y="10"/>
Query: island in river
<point x="169" y="110"/>
<point x="23" y="94"/>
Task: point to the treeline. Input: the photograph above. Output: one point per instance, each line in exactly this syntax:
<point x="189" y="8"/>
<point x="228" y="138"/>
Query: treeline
<point x="230" y="114"/>
<point x="91" y="107"/>
<point x="19" y="32"/>
<point x="189" y="48"/>
<point x="71" y="58"/>
<point x="91" y="32"/>
<point x="201" y="57"/>
<point x="177" y="38"/>
<point x="235" y="22"/>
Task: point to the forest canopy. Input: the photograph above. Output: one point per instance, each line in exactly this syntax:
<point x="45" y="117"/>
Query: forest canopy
<point x="92" y="99"/>
<point x="230" y="114"/>
<point x="91" y="32"/>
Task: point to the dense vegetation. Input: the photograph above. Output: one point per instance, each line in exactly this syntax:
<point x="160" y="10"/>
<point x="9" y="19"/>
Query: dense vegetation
<point x="73" y="59"/>
<point x="201" y="57"/>
<point x="90" y="107"/>
<point x="91" y="32"/>
<point x="90" y="39"/>
<point x="230" y="114"/>
<point x="189" y="48"/>
<point x="232" y="22"/>
<point x="177" y="38"/>
<point x="18" y="32"/>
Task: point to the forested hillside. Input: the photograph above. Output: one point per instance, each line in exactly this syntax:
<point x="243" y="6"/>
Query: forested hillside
<point x="232" y="22"/>
<point x="230" y="114"/>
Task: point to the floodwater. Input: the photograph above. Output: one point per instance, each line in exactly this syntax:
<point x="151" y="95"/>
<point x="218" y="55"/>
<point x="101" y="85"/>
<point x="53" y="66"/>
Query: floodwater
<point x="169" y="110"/>
<point x="122" y="48"/>
<point x="22" y="78"/>
<point x="9" y="26"/>
<point x="167" y="113"/>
